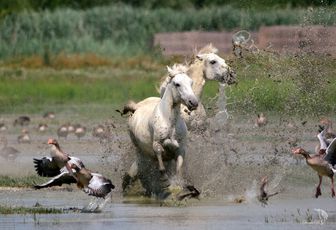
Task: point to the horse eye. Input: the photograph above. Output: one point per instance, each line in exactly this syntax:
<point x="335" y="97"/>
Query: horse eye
<point x="212" y="62"/>
<point x="177" y="84"/>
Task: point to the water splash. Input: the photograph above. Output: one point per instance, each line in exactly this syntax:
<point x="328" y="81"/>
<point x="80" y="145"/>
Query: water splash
<point x="96" y="206"/>
<point x="322" y="215"/>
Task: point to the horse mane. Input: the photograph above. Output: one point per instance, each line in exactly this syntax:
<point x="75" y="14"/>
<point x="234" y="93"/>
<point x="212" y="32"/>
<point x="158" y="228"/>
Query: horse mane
<point x="191" y="60"/>
<point x="209" y="48"/>
<point x="176" y="69"/>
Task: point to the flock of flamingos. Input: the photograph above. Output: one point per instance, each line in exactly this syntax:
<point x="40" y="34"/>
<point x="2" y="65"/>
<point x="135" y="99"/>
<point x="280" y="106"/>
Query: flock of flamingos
<point x="158" y="127"/>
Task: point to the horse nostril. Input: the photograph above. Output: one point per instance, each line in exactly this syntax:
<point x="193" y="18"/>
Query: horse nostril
<point x="193" y="103"/>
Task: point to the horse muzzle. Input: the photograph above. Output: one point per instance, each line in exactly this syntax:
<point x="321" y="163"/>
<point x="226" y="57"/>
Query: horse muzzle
<point x="192" y="104"/>
<point x="232" y="77"/>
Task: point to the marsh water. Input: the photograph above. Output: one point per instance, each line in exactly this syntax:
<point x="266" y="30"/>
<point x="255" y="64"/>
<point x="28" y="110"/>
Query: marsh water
<point x="225" y="162"/>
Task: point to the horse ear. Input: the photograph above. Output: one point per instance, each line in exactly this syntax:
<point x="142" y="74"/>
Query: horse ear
<point x="170" y="71"/>
<point x="200" y="57"/>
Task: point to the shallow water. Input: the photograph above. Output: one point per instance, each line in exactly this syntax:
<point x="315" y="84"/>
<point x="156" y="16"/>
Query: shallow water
<point x="223" y="163"/>
<point x="206" y="214"/>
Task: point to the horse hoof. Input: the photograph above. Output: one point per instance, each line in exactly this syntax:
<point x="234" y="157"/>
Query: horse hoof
<point x="126" y="180"/>
<point x="164" y="194"/>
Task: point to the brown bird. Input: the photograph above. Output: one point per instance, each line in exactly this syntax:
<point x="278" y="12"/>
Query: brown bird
<point x="22" y="120"/>
<point x="61" y="158"/>
<point x="47" y="167"/>
<point x="24" y="137"/>
<point x="49" y="115"/>
<point x="8" y="152"/>
<point x="99" y="131"/>
<point x="264" y="196"/>
<point x="62" y="131"/>
<point x="80" y="131"/>
<point x="323" y="162"/>
<point x="94" y="184"/>
<point x="3" y="127"/>
<point x="42" y="127"/>
<point x="261" y="120"/>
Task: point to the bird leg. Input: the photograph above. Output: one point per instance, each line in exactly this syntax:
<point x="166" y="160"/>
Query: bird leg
<point x="332" y="187"/>
<point x="318" y="188"/>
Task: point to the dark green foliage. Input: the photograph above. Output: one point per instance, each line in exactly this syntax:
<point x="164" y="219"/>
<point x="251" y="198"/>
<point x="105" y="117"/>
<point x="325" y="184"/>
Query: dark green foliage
<point x="11" y="6"/>
<point x="124" y="30"/>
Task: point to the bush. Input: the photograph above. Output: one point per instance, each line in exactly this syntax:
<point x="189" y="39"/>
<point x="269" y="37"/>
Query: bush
<point x="124" y="30"/>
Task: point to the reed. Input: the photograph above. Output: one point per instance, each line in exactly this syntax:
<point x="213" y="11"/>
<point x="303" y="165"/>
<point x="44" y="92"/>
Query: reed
<point x="124" y="30"/>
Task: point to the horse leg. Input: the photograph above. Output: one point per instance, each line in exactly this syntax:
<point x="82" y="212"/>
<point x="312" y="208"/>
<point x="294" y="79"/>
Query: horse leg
<point x="332" y="187"/>
<point x="171" y="144"/>
<point x="179" y="163"/>
<point x="158" y="149"/>
<point x="130" y="176"/>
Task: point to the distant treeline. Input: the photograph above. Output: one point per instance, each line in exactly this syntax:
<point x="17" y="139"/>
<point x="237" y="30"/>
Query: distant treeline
<point x="9" y="6"/>
<point x="122" y="29"/>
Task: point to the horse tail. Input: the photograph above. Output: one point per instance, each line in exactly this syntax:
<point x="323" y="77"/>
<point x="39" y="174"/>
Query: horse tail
<point x="130" y="107"/>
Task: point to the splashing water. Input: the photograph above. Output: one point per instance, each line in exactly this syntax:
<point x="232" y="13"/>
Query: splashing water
<point x="95" y="206"/>
<point x="222" y="115"/>
<point x="251" y="193"/>
<point x="322" y="215"/>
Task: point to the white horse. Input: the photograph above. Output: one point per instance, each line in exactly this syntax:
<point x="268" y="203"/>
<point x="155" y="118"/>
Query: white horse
<point x="157" y="129"/>
<point x="206" y="65"/>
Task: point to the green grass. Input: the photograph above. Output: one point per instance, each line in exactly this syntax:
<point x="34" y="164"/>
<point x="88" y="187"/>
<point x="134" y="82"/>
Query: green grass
<point x="8" y="210"/>
<point x="23" y="181"/>
<point x="286" y="84"/>
<point x="47" y="87"/>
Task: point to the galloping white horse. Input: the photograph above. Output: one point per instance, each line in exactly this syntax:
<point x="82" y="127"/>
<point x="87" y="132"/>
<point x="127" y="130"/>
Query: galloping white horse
<point x="157" y="129"/>
<point x="206" y="65"/>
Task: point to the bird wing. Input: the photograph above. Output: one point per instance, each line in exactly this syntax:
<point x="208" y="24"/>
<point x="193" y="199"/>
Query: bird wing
<point x="331" y="153"/>
<point x="62" y="178"/>
<point x="46" y="167"/>
<point x="99" y="186"/>
<point x="323" y="143"/>
<point x="76" y="161"/>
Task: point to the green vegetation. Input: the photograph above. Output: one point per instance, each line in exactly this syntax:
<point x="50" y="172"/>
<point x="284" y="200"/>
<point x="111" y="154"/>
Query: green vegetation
<point x="124" y="30"/>
<point x="289" y="84"/>
<point x="8" y="210"/>
<point x="47" y="87"/>
<point x="300" y="84"/>
<point x="17" y="5"/>
<point x="22" y="181"/>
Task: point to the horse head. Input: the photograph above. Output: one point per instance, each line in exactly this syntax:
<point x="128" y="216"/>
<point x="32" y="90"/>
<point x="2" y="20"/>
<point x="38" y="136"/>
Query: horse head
<point x="181" y="86"/>
<point x="215" y="68"/>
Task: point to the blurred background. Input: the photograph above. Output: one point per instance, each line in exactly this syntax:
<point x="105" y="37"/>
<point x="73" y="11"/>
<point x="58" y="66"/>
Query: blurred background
<point x="62" y="52"/>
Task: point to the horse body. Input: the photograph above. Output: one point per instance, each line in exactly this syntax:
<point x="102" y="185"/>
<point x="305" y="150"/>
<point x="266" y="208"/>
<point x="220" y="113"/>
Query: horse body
<point x="157" y="129"/>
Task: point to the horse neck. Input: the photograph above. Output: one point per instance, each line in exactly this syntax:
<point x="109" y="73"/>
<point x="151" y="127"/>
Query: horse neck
<point x="197" y="75"/>
<point x="168" y="107"/>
